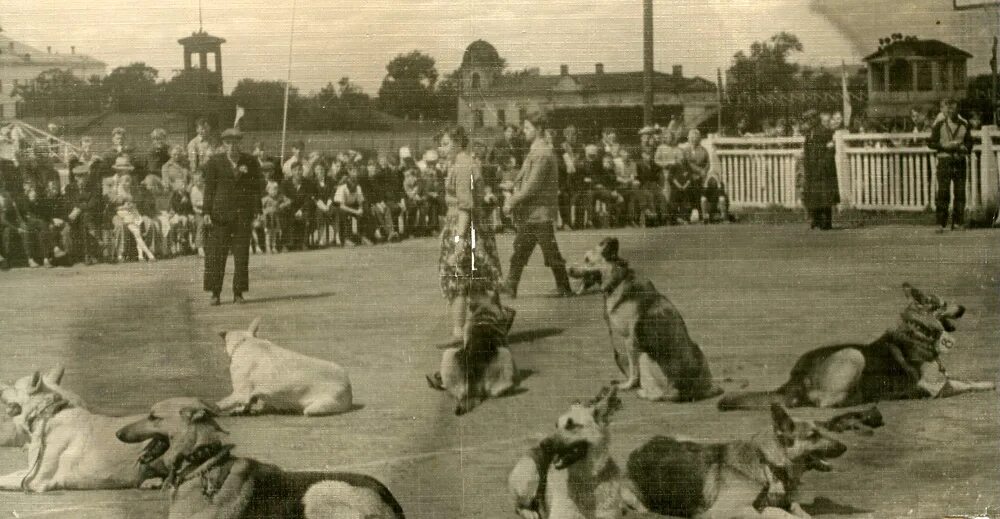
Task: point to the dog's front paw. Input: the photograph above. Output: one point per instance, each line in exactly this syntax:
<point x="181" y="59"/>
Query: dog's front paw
<point x="151" y="484"/>
<point x="527" y="513"/>
<point x="652" y="396"/>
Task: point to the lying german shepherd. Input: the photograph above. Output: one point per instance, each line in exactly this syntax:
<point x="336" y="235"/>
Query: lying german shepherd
<point x="754" y="478"/>
<point x="901" y="364"/>
<point x="206" y="480"/>
<point x="483" y="366"/>
<point x="648" y="336"/>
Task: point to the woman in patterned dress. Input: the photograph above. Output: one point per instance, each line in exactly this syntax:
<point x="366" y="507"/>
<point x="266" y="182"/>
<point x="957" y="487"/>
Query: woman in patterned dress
<point x="469" y="260"/>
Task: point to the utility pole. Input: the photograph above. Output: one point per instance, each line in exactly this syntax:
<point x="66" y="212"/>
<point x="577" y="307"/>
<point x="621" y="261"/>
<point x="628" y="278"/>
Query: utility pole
<point x="647" y="61"/>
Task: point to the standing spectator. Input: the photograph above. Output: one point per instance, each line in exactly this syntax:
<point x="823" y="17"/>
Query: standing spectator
<point x="416" y="197"/>
<point x="173" y="170"/>
<point x="918" y="119"/>
<point x="698" y="163"/>
<point x="464" y="268"/>
<point x="267" y="162"/>
<point x="570" y="156"/>
<point x="627" y="184"/>
<point x="650" y="203"/>
<point x="582" y="186"/>
<point x="508" y="145"/>
<point x="391" y="178"/>
<point x="179" y="240"/>
<point x="648" y="140"/>
<point x="325" y="214"/>
<point x="197" y="193"/>
<point x="534" y="206"/>
<point x="670" y="158"/>
<point x="118" y="148"/>
<point x="374" y="189"/>
<point x="83" y="208"/>
<point x="433" y="179"/>
<point x="609" y="142"/>
<point x="160" y="153"/>
<point x="201" y="148"/>
<point x="610" y="201"/>
<point x="820" y="191"/>
<point x="951" y="138"/>
<point x="232" y="201"/>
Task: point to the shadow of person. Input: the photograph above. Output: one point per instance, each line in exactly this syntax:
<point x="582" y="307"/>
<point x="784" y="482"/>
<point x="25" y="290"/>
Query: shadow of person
<point x="826" y="506"/>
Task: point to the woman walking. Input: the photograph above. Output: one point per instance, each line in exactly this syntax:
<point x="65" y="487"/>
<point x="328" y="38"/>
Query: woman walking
<point x="820" y="191"/>
<point x="469" y="261"/>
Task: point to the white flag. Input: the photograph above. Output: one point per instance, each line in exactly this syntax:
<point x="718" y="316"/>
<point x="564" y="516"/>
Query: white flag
<point x="240" y="112"/>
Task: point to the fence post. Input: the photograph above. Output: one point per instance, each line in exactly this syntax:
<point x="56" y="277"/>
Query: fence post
<point x="843" y="170"/>
<point x="989" y="174"/>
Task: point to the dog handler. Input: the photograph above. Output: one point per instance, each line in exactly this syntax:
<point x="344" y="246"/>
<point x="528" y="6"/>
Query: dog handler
<point x="534" y="207"/>
<point x="232" y="201"/>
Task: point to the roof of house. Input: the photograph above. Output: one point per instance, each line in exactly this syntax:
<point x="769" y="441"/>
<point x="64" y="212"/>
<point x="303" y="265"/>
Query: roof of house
<point x="922" y="48"/>
<point x="598" y="83"/>
<point x="13" y="52"/>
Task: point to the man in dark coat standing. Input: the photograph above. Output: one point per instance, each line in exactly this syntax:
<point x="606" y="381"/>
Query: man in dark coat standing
<point x="820" y="191"/>
<point x="232" y="201"/>
<point x="535" y="207"/>
<point x="951" y="139"/>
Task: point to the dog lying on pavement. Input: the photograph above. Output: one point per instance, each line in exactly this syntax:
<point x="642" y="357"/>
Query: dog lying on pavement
<point x="649" y="339"/>
<point x="207" y="481"/>
<point x="755" y="478"/>
<point x="69" y="447"/>
<point x="570" y="474"/>
<point x="483" y="366"/>
<point x="903" y="363"/>
<point x="269" y="379"/>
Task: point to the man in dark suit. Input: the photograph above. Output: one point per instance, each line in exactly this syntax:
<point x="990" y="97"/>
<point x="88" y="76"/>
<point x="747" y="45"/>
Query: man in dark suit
<point x="535" y="207"/>
<point x="232" y="200"/>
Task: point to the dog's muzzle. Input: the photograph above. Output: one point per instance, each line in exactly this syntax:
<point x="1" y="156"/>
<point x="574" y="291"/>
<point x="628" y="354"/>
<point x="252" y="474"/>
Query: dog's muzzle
<point x="13" y="409"/>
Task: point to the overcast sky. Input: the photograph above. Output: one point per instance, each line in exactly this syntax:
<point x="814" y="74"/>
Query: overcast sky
<point x="356" y="38"/>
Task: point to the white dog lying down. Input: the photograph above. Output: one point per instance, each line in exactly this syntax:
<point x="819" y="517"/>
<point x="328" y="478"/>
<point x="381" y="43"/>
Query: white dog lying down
<point x="69" y="447"/>
<point x="269" y="379"/>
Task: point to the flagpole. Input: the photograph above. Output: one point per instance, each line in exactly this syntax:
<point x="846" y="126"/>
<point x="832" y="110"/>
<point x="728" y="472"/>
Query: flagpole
<point x="288" y="83"/>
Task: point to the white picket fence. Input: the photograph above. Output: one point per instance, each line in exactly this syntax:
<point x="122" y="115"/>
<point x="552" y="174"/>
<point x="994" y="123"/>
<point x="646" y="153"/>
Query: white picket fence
<point x="887" y="171"/>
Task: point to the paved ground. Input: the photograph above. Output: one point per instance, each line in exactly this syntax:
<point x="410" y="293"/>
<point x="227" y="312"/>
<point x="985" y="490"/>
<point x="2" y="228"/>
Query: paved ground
<point x="753" y="296"/>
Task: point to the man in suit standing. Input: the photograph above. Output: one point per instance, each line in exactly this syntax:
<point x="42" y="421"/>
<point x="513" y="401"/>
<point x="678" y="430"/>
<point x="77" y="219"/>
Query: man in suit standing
<point x="535" y="206"/>
<point x="232" y="201"/>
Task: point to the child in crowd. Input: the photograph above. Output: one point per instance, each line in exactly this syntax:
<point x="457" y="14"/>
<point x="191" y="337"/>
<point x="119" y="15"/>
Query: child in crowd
<point x="198" y="218"/>
<point x="273" y="204"/>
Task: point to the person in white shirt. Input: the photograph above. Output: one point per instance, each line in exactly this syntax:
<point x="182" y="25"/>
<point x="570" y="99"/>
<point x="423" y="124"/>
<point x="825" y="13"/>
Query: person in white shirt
<point x="350" y="200"/>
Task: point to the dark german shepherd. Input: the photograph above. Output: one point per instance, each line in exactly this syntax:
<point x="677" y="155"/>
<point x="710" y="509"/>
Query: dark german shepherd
<point x="901" y="364"/>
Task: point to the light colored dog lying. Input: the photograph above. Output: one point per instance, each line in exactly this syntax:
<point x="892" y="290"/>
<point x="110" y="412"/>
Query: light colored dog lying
<point x="207" y="481"/>
<point x="69" y="447"/>
<point x="269" y="379"/>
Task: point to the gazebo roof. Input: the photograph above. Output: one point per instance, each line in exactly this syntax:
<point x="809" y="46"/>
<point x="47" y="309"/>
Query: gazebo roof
<point x="920" y="48"/>
<point x="201" y="38"/>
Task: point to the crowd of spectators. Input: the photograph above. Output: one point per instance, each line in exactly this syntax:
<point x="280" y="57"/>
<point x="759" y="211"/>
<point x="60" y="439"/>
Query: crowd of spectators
<point x="124" y="204"/>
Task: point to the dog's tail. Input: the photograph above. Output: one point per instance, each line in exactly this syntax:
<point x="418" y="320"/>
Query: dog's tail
<point x="755" y="400"/>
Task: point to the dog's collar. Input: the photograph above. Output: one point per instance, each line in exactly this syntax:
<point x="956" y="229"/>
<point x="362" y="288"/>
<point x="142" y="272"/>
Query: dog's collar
<point x="608" y="289"/>
<point x="56" y="403"/>
<point x="198" y="463"/>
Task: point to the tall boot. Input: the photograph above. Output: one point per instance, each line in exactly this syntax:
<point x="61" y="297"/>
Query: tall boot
<point x="562" y="281"/>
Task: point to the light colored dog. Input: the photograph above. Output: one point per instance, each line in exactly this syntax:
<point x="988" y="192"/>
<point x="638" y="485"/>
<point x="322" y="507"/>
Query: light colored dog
<point x="206" y="481"/>
<point x="70" y="448"/>
<point x="570" y="474"/>
<point x="269" y="379"/>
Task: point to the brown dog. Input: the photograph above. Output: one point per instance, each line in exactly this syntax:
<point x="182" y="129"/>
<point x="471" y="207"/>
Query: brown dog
<point x="207" y="481"/>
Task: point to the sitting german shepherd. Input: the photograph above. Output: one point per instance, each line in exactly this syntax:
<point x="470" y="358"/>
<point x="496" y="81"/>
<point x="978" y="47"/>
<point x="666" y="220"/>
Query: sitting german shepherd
<point x="206" y="480"/>
<point x="754" y="478"/>
<point x="483" y="366"/>
<point x="901" y="364"/>
<point x="649" y="339"/>
<point x="570" y="474"/>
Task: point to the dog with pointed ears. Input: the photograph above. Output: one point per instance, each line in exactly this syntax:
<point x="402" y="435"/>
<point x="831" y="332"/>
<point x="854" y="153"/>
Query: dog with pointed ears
<point x="207" y="481"/>
<point x="904" y="363"/>
<point x="649" y="339"/>
<point x="483" y="366"/>
<point x="69" y="447"/>
<point x="570" y="474"/>
<point x="268" y="379"/>
<point x="758" y="477"/>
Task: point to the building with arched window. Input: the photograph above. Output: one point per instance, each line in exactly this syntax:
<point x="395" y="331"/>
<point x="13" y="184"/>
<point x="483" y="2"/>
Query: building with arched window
<point x="489" y="98"/>
<point x="907" y="72"/>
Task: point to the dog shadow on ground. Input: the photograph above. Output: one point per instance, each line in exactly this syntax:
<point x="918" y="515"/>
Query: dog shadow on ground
<point x="290" y="297"/>
<point x="826" y="506"/>
<point x="514" y="338"/>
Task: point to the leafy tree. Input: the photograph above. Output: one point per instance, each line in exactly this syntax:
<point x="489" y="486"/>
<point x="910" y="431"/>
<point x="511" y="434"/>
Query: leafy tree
<point x="264" y="102"/>
<point x="193" y="91"/>
<point x="60" y="92"/>
<point x="408" y="88"/>
<point x="132" y="87"/>
<point x="766" y="69"/>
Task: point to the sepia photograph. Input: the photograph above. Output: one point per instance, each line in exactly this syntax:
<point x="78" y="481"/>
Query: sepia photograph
<point x="499" y="259"/>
